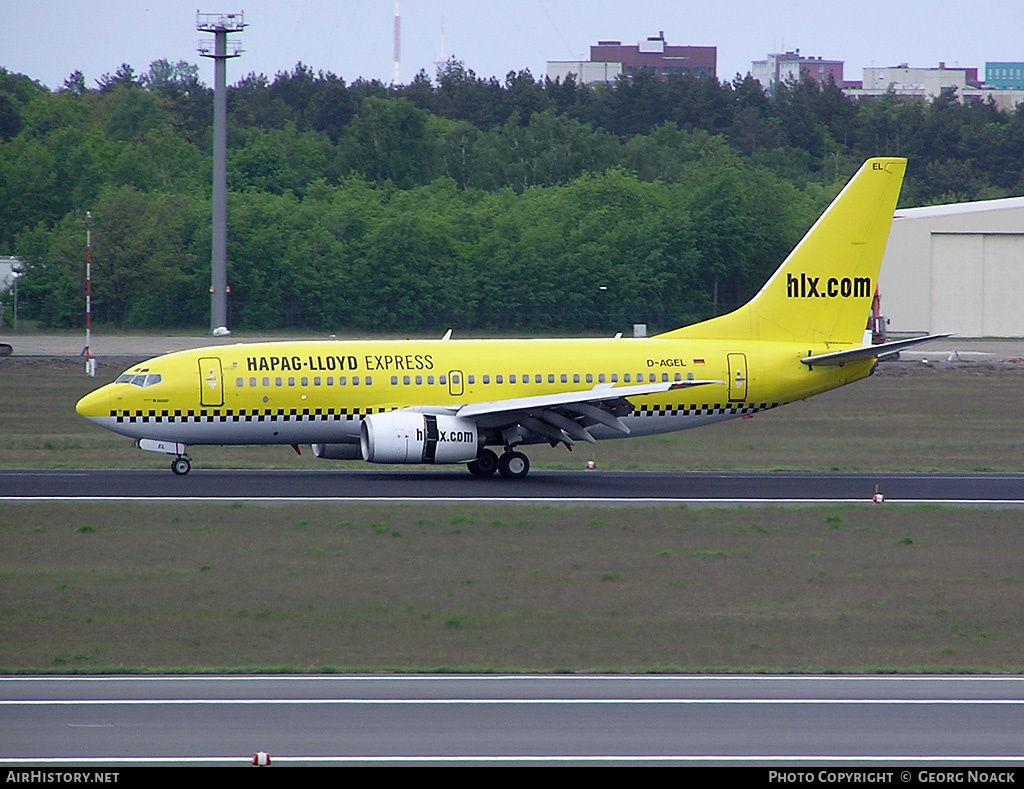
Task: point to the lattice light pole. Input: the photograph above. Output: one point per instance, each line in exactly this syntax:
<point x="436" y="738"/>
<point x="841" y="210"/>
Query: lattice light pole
<point x="220" y="49"/>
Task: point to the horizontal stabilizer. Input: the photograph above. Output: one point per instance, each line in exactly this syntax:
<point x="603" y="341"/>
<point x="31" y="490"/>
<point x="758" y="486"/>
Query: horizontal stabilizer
<point x="839" y="358"/>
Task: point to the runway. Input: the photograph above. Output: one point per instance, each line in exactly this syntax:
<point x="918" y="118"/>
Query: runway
<point x="577" y="488"/>
<point x="870" y="721"/>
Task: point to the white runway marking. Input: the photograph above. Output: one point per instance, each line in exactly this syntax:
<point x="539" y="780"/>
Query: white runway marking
<point x="498" y="701"/>
<point x="697" y="758"/>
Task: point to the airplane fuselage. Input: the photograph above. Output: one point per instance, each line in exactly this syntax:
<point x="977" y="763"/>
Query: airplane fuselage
<point x="319" y="391"/>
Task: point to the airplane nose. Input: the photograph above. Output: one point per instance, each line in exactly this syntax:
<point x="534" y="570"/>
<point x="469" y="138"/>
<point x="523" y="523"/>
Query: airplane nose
<point x="95" y="404"/>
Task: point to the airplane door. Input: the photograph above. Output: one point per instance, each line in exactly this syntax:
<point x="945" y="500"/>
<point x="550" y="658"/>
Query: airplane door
<point x="455" y="385"/>
<point x="738" y="377"/>
<point x="211" y="382"/>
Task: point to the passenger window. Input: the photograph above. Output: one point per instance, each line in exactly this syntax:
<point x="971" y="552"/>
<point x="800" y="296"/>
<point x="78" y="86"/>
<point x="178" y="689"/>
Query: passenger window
<point x="471" y="379"/>
<point x="576" y="378"/>
<point x="316" y="381"/>
<point x="551" y="379"/>
<point x="600" y="378"/>
<point x="538" y="379"/>
<point x="615" y="377"/>
<point x="239" y="383"/>
<point x="487" y="379"/>
<point x="266" y="382"/>
<point x="664" y="377"/>
<point x="342" y="380"/>
<point x="330" y="380"/>
<point x="498" y="379"/>
<point x="394" y="380"/>
<point x="430" y="380"/>
<point x="355" y="380"/>
<point x="512" y="379"/>
<point x="626" y="378"/>
<point x="419" y="380"/>
<point x="305" y="382"/>
<point x="405" y="380"/>
<point x="590" y="378"/>
<point x="291" y="381"/>
<point x="278" y="382"/>
<point x="368" y="381"/>
<point x="252" y="383"/>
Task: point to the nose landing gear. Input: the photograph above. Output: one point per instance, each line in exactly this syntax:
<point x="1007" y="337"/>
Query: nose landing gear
<point x="181" y="464"/>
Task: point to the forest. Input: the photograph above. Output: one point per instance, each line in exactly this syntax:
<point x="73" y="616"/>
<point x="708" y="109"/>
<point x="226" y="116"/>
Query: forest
<point x="490" y="206"/>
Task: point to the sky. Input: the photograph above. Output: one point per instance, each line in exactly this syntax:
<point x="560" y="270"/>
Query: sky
<point x="49" y="39"/>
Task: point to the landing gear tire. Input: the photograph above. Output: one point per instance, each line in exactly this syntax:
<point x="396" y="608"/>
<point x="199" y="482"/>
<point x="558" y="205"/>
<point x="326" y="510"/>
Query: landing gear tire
<point x="181" y="466"/>
<point x="486" y="463"/>
<point x="514" y="465"/>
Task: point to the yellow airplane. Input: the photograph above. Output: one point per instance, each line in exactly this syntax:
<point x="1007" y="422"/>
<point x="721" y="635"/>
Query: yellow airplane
<point x="448" y="401"/>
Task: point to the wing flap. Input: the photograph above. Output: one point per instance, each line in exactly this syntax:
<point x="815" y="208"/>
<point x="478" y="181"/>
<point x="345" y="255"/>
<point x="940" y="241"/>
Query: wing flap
<point x="598" y="394"/>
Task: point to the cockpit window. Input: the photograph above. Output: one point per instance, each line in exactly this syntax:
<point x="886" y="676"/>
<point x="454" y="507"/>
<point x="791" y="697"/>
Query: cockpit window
<point x="138" y="380"/>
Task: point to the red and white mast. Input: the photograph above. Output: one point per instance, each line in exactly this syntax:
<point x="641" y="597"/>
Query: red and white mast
<point x="397" y="45"/>
<point x="90" y="364"/>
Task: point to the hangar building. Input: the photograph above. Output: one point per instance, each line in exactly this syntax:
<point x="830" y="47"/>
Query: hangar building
<point x="956" y="268"/>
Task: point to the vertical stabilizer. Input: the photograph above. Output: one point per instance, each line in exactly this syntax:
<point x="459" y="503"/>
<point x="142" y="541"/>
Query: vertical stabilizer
<point x="822" y="292"/>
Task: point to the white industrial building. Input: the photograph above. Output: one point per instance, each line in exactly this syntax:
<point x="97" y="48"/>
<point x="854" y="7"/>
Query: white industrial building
<point x="956" y="268"/>
<point x="8" y="266"/>
<point x="929" y="83"/>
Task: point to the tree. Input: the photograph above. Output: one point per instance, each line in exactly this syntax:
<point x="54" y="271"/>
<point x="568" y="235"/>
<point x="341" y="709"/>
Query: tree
<point x="387" y="142"/>
<point x="124" y="77"/>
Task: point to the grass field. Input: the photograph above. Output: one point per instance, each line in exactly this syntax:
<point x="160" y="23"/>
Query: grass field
<point x="90" y="587"/>
<point x="324" y="588"/>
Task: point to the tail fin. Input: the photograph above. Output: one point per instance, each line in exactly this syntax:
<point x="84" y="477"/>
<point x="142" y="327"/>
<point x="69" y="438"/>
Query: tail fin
<point x="822" y="292"/>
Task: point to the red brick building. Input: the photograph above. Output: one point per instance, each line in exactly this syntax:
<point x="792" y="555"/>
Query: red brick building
<point x="609" y="59"/>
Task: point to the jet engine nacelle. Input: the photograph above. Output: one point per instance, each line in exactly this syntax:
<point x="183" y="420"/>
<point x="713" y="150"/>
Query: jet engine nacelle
<point x="336" y="451"/>
<point x="411" y="437"/>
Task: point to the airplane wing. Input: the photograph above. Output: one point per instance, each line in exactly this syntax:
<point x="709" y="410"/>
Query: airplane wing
<point x="566" y="416"/>
<point x="839" y="358"/>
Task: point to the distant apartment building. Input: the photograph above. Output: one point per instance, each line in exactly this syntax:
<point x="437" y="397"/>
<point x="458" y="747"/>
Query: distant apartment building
<point x="792" y="67"/>
<point x="1003" y="75"/>
<point x="610" y="59"/>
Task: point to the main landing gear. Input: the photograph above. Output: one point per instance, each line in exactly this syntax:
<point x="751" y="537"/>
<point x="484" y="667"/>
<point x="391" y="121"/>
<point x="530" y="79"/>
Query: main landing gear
<point x="511" y="465"/>
<point x="181" y="466"/>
